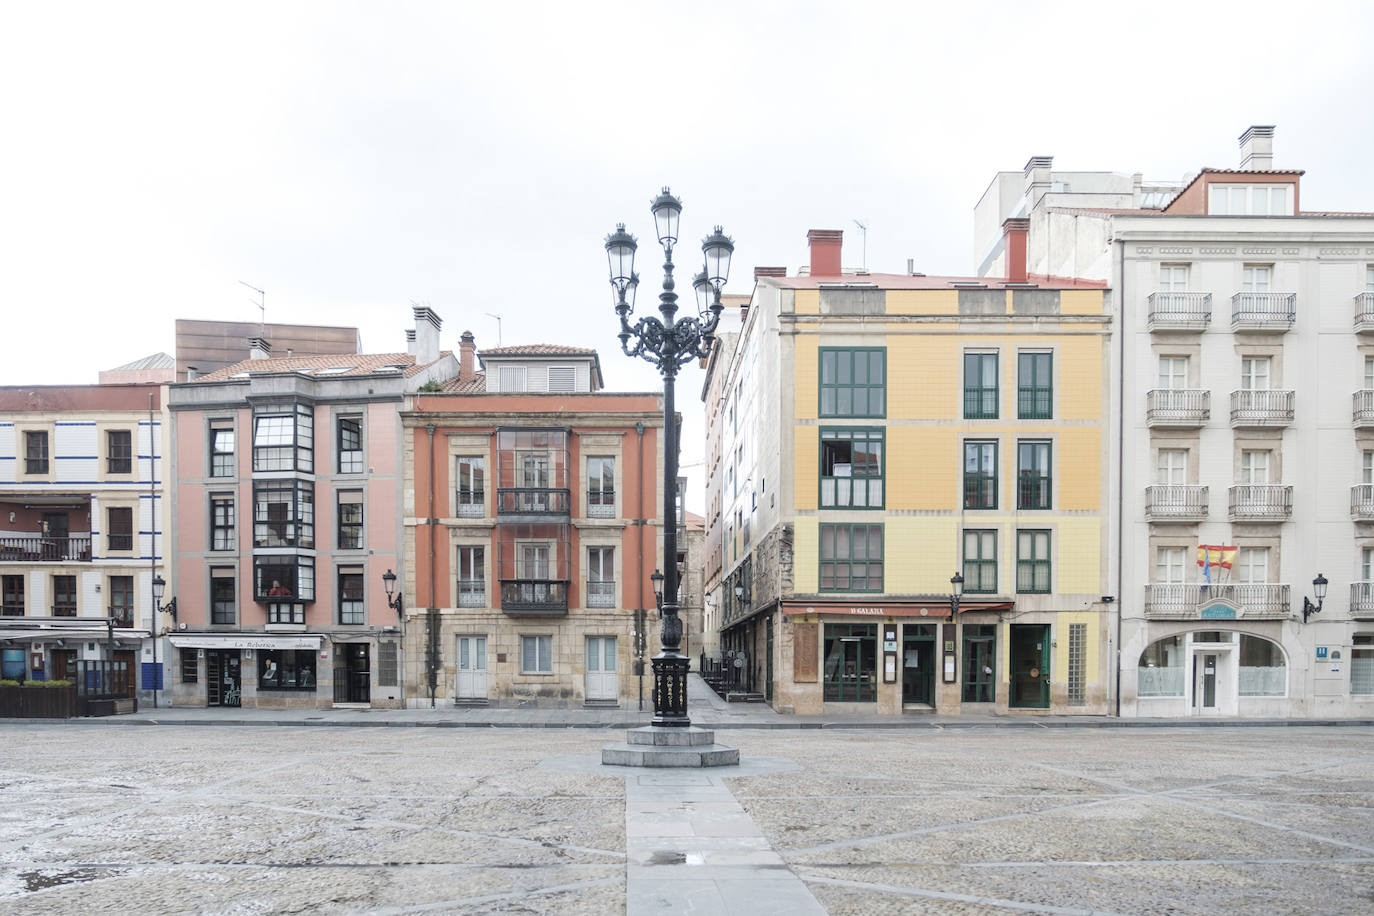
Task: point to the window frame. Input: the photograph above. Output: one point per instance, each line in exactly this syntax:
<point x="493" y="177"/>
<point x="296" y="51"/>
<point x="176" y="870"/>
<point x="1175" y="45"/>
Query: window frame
<point x="115" y="462"/>
<point x="348" y="578"/>
<point x="472" y="589"/>
<point x="870" y="435"/>
<point x="223" y="608"/>
<point x="37" y="462"/>
<point x="1029" y="395"/>
<point x="302" y="588"/>
<point x="543" y="654"/>
<point x="222" y="463"/>
<point x="288" y="660"/>
<point x="121" y="589"/>
<point x="1034" y="493"/>
<point x="976" y="396"/>
<point x="355" y="528"/>
<point x="65" y="608"/>
<point x="473" y="469"/>
<point x="975" y="568"/>
<point x="13" y="602"/>
<point x="189" y="660"/>
<point x="1029" y="566"/>
<point x="297" y="530"/>
<point x="834" y="561"/>
<point x="119" y="536"/>
<point x="600" y="487"/>
<point x="223" y="533"/>
<point x="349" y="460"/>
<point x="278" y="454"/>
<point x="604" y="567"/>
<point x="836" y="387"/>
<point x="979" y="477"/>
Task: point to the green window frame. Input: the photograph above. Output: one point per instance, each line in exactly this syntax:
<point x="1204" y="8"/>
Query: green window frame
<point x="980" y="474"/>
<point x="853" y="382"/>
<point x="980" y="386"/>
<point x="980" y="562"/>
<point x="1034" y="474"/>
<point x="1033" y="561"/>
<point x="1035" y="386"/>
<point x="851" y="468"/>
<point x="851" y="558"/>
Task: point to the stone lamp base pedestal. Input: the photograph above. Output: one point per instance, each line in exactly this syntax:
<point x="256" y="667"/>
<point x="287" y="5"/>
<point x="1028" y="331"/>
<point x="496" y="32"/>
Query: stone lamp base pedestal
<point x="656" y="746"/>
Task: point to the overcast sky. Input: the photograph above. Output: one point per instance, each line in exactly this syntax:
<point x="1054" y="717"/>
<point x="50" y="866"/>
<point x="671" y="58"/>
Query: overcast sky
<point x="350" y="158"/>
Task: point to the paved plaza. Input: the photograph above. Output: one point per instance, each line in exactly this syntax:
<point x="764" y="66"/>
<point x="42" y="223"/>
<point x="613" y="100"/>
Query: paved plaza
<point x="110" y="816"/>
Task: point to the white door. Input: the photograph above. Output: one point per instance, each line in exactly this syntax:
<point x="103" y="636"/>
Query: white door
<point x="472" y="667"/>
<point x="602" y="681"/>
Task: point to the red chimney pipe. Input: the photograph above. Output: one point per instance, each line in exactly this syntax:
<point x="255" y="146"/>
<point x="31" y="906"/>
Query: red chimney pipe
<point x="825" y="251"/>
<point x="1014" y="232"/>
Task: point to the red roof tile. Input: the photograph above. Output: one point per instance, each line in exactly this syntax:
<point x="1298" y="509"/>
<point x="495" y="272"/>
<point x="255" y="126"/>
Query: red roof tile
<point x="536" y="350"/>
<point x="474" y="385"/>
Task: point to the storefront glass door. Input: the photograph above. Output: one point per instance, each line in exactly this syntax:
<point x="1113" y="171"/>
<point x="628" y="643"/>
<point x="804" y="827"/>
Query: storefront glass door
<point x="980" y="660"/>
<point x="918" y="664"/>
<point x="851" y="661"/>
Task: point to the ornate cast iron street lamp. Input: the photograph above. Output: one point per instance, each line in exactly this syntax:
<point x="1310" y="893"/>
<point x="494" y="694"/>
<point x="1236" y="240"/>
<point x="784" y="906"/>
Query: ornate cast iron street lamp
<point x="1319" y="589"/>
<point x="669" y="342"/>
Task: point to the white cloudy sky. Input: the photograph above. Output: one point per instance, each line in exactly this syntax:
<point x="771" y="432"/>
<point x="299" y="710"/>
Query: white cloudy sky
<point x="349" y="158"/>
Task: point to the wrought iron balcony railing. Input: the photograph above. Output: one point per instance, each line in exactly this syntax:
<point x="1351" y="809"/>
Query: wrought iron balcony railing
<point x="1175" y="503"/>
<point x="529" y="596"/>
<point x="1262" y="407"/>
<point x="1261" y="503"/>
<point x="601" y="593"/>
<point x="33" y="548"/>
<point x="1262" y="601"/>
<point x="1362" y="600"/>
<point x="1263" y="311"/>
<point x="1179" y="311"/>
<point x="1177" y="407"/>
<point x="471" y="503"/>
<point x="472" y="593"/>
<point x="1364" y="313"/>
<point x="601" y="504"/>
<point x="1362" y="410"/>
<point x="1362" y="502"/>
<point x="532" y="501"/>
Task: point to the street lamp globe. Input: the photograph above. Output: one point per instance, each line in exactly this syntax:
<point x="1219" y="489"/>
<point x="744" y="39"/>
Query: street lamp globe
<point x="666" y="209"/>
<point x="706" y="293"/>
<point x="389" y="582"/>
<point x="159" y="587"/>
<point x="1319" y="587"/>
<point x="718" y="247"/>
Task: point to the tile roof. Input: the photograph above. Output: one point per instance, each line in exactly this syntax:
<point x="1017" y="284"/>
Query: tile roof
<point x="350" y="363"/>
<point x="918" y="281"/>
<point x="536" y="350"/>
<point x="475" y="385"/>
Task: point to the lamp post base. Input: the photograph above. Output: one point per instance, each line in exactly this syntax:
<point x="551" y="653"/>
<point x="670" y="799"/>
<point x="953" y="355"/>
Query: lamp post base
<point x="652" y="746"/>
<point x="670" y="690"/>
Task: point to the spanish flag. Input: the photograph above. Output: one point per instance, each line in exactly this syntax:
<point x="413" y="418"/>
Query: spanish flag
<point x="1209" y="555"/>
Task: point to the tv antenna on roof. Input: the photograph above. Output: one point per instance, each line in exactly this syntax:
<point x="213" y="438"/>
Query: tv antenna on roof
<point x="498" y="325"/>
<point x="864" y="229"/>
<point x="262" y="308"/>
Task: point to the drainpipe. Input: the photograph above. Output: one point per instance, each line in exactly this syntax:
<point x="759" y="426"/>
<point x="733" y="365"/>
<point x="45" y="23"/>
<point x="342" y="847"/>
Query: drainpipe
<point x="1120" y="448"/>
<point x="152" y="553"/>
<point x="641" y="615"/>
<point x="432" y="614"/>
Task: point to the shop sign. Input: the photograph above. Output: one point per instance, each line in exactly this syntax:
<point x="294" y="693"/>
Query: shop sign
<point x="1218" y="610"/>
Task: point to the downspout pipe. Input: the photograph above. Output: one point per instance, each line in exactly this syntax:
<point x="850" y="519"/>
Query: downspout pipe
<point x="152" y="552"/>
<point x="432" y="649"/>
<point x="1120" y="450"/>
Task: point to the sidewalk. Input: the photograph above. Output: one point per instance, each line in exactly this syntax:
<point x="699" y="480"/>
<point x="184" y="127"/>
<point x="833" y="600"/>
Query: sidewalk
<point x="704" y="707"/>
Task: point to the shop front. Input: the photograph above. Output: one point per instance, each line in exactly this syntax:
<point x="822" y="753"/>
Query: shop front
<point x="249" y="671"/>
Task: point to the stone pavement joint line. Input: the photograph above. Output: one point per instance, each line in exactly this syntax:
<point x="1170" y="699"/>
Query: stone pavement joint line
<point x="961" y="898"/>
<point x="692" y="848"/>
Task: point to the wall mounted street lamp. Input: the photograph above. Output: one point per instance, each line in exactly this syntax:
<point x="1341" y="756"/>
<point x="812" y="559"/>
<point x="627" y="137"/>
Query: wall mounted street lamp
<point x="669" y="343"/>
<point x="656" y="579"/>
<point x="956" y="589"/>
<point x="160" y="589"/>
<point x="394" y="601"/>
<point x="1319" y="589"/>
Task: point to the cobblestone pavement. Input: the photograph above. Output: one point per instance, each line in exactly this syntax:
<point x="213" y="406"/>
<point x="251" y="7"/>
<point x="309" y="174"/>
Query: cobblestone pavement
<point x="291" y="819"/>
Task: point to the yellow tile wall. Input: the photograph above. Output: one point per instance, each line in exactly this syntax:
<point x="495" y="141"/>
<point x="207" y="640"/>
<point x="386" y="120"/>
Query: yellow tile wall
<point x="807" y="302"/>
<point x="1080" y="378"/>
<point x="923" y="377"/>
<point x="806" y="466"/>
<point x="1080" y="302"/>
<point x="1078" y="555"/>
<point x="923" y="302"/>
<point x="1080" y="458"/>
<point x="805" y="554"/>
<point x="806" y="369"/>
<point x="923" y="467"/>
<point x="919" y="554"/>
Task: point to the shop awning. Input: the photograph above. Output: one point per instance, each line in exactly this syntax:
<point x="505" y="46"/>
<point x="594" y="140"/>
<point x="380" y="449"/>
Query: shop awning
<point x="932" y="609"/>
<point x="85" y="633"/>
<point x="245" y="641"/>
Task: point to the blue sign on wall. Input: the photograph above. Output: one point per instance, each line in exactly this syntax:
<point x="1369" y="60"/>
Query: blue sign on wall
<point x="1321" y="651"/>
<point x="1218" y="612"/>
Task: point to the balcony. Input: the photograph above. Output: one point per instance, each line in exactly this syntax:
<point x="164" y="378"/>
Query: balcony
<point x="529" y="596"/>
<point x="1269" y="312"/>
<point x="1270" y="408"/>
<point x="1364" y="313"/>
<point x="1175" y="504"/>
<point x="1362" y="502"/>
<point x="472" y="593"/>
<point x="34" y="548"/>
<point x="471" y="503"/>
<point x="527" y="502"/>
<point x="1217" y="602"/>
<point x="1261" y="503"/>
<point x="1179" y="311"/>
<point x="601" y="593"/>
<point x="1363" y="409"/>
<point x="1177" y="408"/>
<point x="1362" y="600"/>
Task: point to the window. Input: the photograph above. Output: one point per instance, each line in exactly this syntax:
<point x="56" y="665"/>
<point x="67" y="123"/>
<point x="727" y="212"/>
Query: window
<point x="1263" y="672"/>
<point x="1173" y="288"/>
<point x="64" y="596"/>
<point x="980" y="386"/>
<point x="1033" y="475"/>
<point x="36" y="452"/>
<point x="472" y="490"/>
<point x="350" y="445"/>
<point x="853" y="382"/>
<point x="1366" y="563"/>
<point x="352" y="610"/>
<point x="223" y="606"/>
<point x="118" y="451"/>
<point x="1362" y="665"/>
<point x="1160" y="670"/>
<point x="1256" y="278"/>
<point x="1078" y="651"/>
<point x="222" y="451"/>
<point x="536" y="655"/>
<point x="1171" y="467"/>
<point x="222" y="522"/>
<point x="980" y="475"/>
<point x="851" y="662"/>
<point x="1171" y="565"/>
<point x="122" y="600"/>
<point x="286" y="669"/>
<point x="190" y="666"/>
<point x="283" y="513"/>
<point x="1369" y="372"/>
<point x="1254" y="467"/>
<point x="1035" y="386"/>
<point x="387" y="664"/>
<point x="350" y="519"/>
<point x="120" y="528"/>
<point x="600" y="577"/>
<point x="601" y="487"/>
<point x="562" y="378"/>
<point x="472" y="587"/>
<point x="286" y="441"/>
<point x="852" y="468"/>
<point x="1173" y="373"/>
<point x="1249" y="200"/>
<point x="980" y="562"/>
<point x="11" y="596"/>
<point x="1254" y="373"/>
<point x="1367" y="467"/>
<point x="1032" y="562"/>
<point x="512" y="378"/>
<point x="1252" y="565"/>
<point x="1369" y="279"/>
<point x="851" y="558"/>
<point x="284" y="577"/>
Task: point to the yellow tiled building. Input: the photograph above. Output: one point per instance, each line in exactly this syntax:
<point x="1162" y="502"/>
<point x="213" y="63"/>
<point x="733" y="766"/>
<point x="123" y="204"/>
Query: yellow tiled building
<point x="890" y="440"/>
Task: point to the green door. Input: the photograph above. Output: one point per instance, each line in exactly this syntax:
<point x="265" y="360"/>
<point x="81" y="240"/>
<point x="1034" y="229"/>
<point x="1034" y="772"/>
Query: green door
<point x="1030" y="665"/>
<point x="918" y="664"/>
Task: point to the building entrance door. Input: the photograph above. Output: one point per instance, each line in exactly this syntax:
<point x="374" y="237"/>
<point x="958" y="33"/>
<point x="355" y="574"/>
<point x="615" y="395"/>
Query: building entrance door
<point x="1030" y="666"/>
<point x="223" y="675"/>
<point x="603" y="683"/>
<point x="472" y="668"/>
<point x="357" y="674"/>
<point x="55" y="535"/>
<point x="63" y="665"/>
<point x="980" y="659"/>
<point x="918" y="664"/>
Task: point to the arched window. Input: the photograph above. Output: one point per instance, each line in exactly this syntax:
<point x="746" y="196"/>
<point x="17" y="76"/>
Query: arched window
<point x="1160" y="673"/>
<point x="1263" y="672"/>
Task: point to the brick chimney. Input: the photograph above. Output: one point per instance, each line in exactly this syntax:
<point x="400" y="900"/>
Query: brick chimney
<point x="825" y="251"/>
<point x="259" y="348"/>
<point x="467" y="349"/>
<point x="427" y="325"/>
<point x="1014" y="231"/>
<point x="769" y="272"/>
<point x="1257" y="148"/>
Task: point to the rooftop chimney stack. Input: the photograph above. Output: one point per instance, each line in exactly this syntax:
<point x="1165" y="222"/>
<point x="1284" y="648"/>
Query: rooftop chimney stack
<point x="1014" y="231"/>
<point x="825" y="251"/>
<point x="1037" y="178"/>
<point x="410" y="342"/>
<point x="259" y="348"/>
<point x="427" y="325"/>
<point x="1257" y="148"/>
<point x="467" y="349"/>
